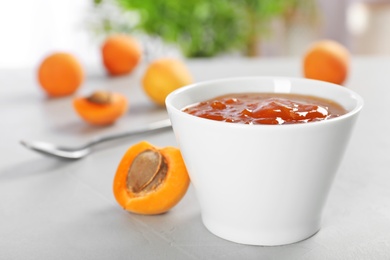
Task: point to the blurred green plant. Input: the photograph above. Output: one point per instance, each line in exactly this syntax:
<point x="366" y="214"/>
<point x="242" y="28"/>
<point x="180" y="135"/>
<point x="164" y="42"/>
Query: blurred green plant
<point x="205" y="28"/>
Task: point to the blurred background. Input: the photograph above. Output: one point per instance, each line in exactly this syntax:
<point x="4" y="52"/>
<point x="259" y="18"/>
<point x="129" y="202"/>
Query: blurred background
<point x="193" y="28"/>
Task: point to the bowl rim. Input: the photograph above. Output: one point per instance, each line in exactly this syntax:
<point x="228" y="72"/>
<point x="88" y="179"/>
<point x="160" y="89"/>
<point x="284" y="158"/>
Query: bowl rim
<point x="172" y="109"/>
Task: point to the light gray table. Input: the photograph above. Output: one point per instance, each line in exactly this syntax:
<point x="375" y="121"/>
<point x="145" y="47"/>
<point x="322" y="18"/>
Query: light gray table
<point x="52" y="209"/>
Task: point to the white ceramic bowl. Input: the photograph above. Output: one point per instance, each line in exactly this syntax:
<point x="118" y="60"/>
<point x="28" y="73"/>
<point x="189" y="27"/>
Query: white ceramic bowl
<point x="262" y="184"/>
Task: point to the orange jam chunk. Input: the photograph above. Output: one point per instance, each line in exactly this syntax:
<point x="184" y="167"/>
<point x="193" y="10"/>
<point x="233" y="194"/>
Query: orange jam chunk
<point x="266" y="108"/>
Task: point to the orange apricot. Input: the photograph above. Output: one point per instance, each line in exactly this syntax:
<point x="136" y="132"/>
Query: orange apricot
<point x="60" y="74"/>
<point x="326" y="60"/>
<point x="120" y="54"/>
<point x="101" y="108"/>
<point x="150" y="180"/>
<point x="163" y="76"/>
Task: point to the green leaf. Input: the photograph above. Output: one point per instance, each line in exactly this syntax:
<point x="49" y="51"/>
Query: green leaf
<point x="204" y="28"/>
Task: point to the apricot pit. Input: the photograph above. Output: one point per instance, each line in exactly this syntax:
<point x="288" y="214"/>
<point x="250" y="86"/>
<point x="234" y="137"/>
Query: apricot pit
<point x="100" y="97"/>
<point x="150" y="180"/>
<point x="147" y="172"/>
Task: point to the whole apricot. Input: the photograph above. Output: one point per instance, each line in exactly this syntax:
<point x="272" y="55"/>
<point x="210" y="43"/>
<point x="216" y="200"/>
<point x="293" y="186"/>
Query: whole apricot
<point x="101" y="107"/>
<point x="120" y="54"/>
<point x="60" y="74"/>
<point x="163" y="76"/>
<point x="326" y="60"/>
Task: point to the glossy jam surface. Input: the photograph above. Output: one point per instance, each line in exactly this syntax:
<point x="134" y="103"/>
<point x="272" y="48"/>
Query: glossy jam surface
<point x="266" y="108"/>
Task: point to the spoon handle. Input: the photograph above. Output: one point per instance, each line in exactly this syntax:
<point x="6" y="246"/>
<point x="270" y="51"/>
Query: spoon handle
<point x="158" y="125"/>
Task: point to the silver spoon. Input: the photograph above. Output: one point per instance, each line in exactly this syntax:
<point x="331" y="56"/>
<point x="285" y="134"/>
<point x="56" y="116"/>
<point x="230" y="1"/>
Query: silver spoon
<point x="84" y="150"/>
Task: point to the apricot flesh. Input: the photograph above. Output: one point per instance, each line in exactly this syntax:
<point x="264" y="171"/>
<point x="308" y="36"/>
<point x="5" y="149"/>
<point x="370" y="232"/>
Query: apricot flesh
<point x="101" y="107"/>
<point x="150" y="180"/>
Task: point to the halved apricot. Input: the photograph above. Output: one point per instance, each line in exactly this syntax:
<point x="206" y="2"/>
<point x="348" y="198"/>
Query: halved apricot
<point x="101" y="108"/>
<point x="150" y="180"/>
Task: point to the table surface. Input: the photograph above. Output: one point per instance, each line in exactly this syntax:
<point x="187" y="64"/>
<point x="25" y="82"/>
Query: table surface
<point x="54" y="209"/>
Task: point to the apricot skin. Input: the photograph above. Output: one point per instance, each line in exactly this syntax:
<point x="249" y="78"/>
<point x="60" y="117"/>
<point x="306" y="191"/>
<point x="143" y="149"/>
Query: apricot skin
<point x="101" y="114"/>
<point x="60" y="74"/>
<point x="120" y="54"/>
<point x="165" y="196"/>
<point x="163" y="76"/>
<point x="326" y="60"/>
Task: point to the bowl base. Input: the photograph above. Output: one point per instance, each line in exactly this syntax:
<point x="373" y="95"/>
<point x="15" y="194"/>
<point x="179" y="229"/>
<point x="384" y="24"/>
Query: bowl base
<point x="260" y="238"/>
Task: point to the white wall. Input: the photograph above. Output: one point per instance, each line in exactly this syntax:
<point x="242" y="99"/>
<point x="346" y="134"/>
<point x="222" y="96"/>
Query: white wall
<point x="31" y="29"/>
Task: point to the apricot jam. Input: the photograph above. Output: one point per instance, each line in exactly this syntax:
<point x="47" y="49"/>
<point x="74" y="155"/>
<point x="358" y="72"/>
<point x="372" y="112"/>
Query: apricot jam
<point x="266" y="108"/>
